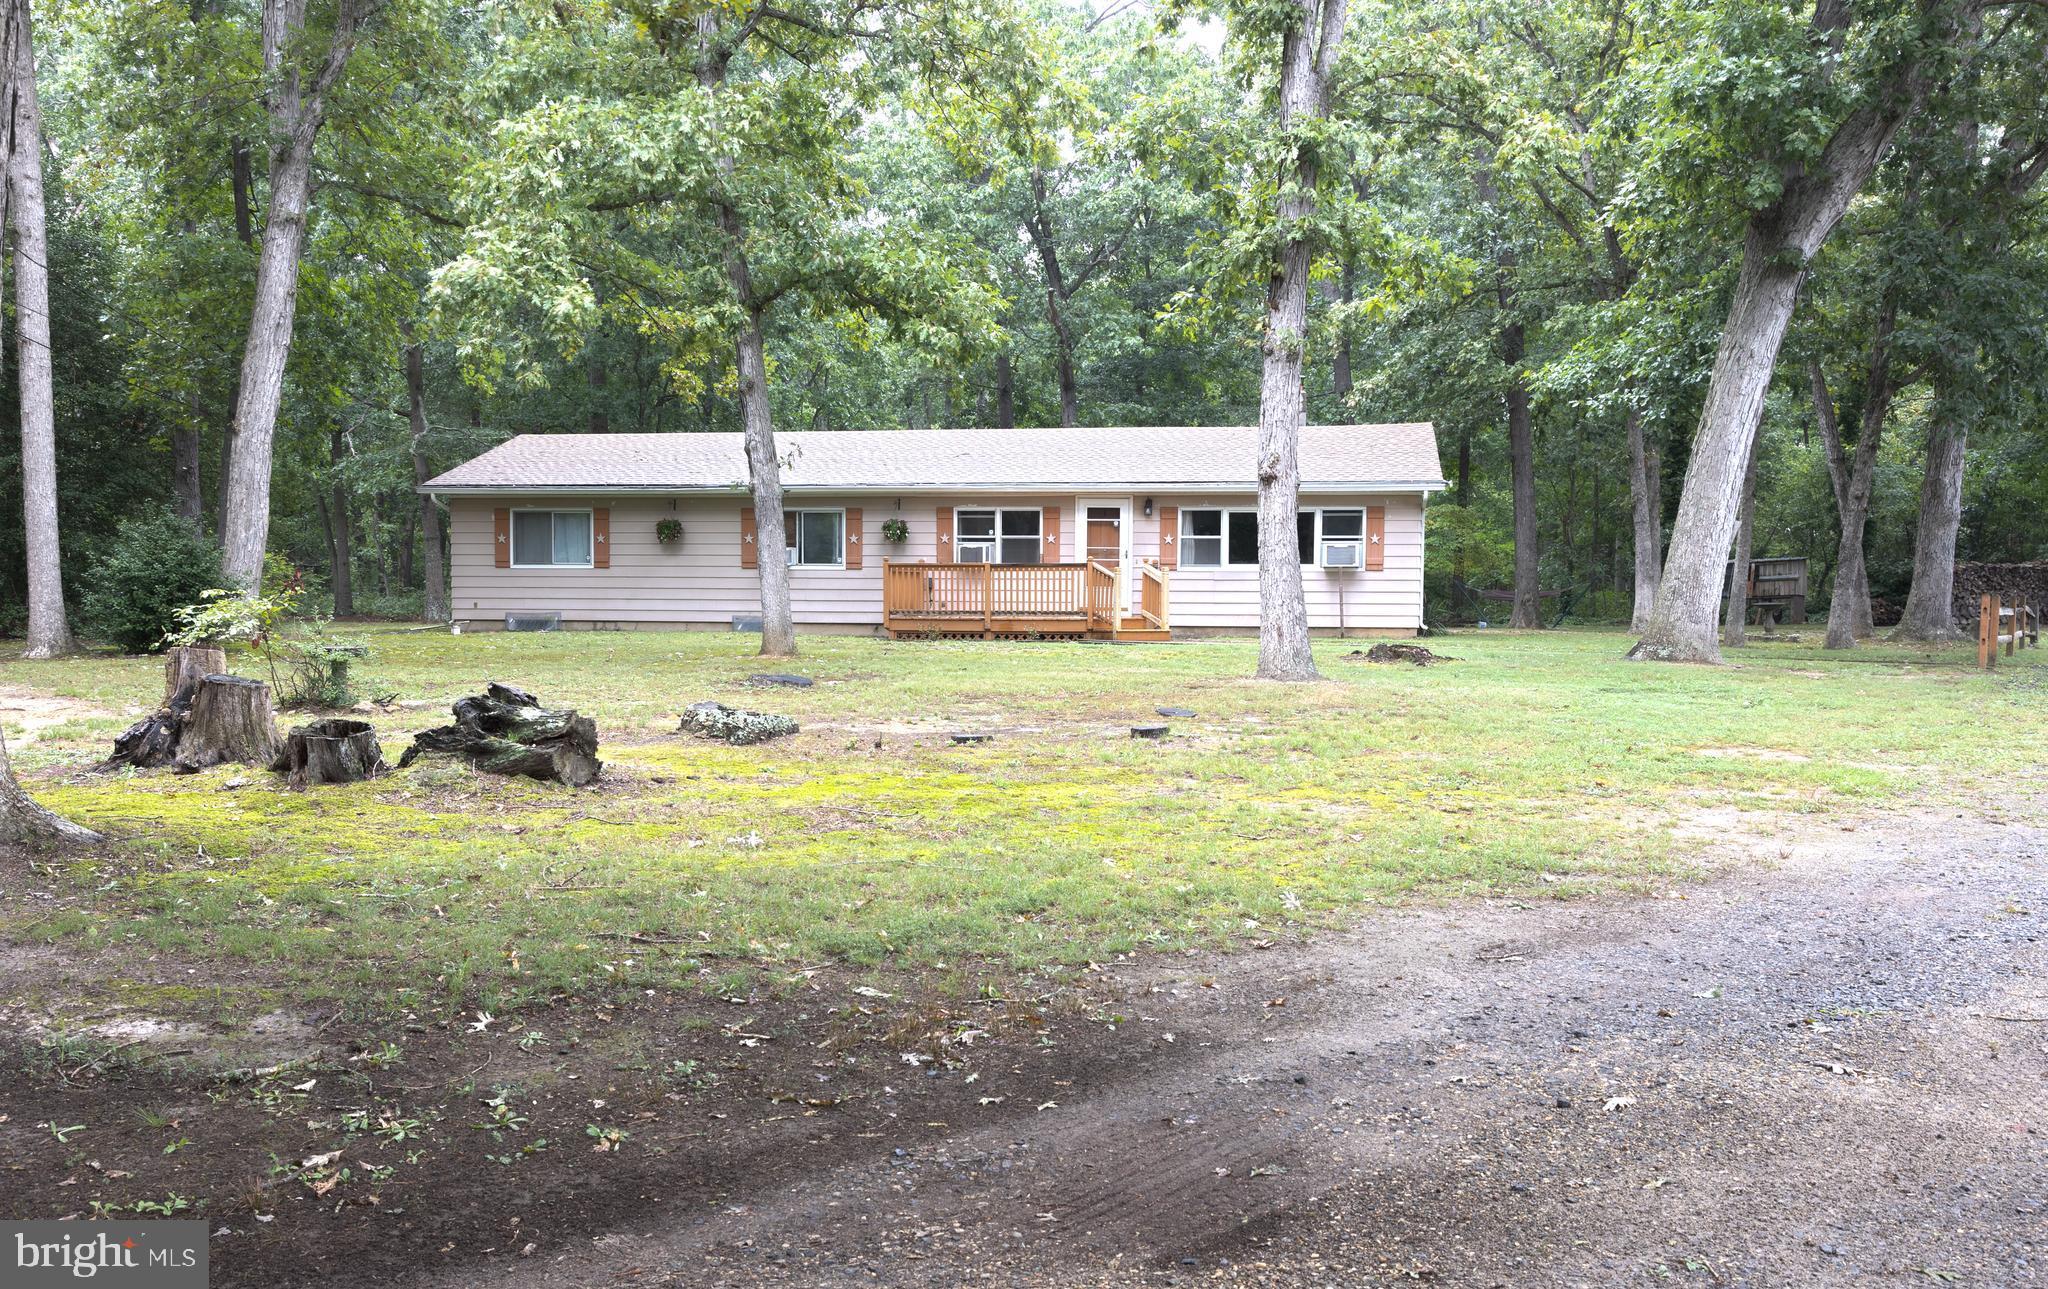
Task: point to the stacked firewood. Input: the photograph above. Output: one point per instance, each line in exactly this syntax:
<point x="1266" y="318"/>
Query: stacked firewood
<point x="2025" y="582"/>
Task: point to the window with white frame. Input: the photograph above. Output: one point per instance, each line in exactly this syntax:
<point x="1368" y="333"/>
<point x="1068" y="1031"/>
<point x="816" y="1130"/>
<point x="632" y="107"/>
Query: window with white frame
<point x="1222" y="537"/>
<point x="551" y="539"/>
<point x="1342" y="543"/>
<point x="817" y="538"/>
<point x="996" y="536"/>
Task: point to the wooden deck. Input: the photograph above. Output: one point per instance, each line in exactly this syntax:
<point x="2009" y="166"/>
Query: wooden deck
<point x="1023" y="601"/>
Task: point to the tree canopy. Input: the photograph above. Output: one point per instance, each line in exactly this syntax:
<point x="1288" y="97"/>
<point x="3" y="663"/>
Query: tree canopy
<point x="1612" y="248"/>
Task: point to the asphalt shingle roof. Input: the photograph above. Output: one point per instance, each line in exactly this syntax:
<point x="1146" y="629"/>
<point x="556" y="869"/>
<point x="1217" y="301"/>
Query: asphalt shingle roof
<point x="1343" y="456"/>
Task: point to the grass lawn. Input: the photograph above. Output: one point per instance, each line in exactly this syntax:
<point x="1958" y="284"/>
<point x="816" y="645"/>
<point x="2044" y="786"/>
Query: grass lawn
<point x="1534" y="764"/>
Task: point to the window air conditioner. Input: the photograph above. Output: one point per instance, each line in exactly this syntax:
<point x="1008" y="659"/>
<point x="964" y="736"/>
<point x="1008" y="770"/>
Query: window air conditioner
<point x="1343" y="555"/>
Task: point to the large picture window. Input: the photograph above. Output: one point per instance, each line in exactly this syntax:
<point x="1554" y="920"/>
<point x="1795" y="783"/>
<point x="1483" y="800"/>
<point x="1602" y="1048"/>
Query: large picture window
<point x="998" y="536"/>
<point x="551" y="539"/>
<point x="1225" y="538"/>
<point x="817" y="538"/>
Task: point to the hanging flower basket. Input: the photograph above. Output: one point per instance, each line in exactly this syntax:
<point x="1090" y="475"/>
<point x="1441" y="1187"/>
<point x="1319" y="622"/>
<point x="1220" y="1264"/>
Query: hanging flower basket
<point x="895" y="531"/>
<point x="668" y="531"/>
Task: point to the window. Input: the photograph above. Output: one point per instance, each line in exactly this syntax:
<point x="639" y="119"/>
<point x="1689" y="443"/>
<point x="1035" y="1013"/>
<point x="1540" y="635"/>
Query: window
<point x="1230" y="538"/>
<point x="550" y="538"/>
<point x="1201" y="538"/>
<point x="817" y="538"/>
<point x="998" y="537"/>
<point x="1344" y="529"/>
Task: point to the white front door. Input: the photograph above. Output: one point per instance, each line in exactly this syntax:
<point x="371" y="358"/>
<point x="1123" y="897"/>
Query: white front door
<point x="1103" y="526"/>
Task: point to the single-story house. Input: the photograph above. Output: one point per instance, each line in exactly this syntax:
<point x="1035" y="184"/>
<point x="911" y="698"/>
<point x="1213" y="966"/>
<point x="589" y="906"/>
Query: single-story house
<point x="1121" y="533"/>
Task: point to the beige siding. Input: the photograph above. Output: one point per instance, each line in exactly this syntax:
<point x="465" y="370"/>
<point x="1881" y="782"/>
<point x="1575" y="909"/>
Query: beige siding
<point x="1229" y="597"/>
<point x="699" y="581"/>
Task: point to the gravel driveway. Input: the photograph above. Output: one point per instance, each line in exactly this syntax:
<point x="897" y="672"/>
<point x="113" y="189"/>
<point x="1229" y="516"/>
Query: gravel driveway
<point x="1828" y="1069"/>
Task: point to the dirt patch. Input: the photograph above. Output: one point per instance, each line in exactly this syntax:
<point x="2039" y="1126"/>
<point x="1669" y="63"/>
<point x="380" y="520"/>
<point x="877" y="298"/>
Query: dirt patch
<point x="1794" y="1075"/>
<point x="27" y="713"/>
<point x="1752" y="754"/>
<point x="1409" y="653"/>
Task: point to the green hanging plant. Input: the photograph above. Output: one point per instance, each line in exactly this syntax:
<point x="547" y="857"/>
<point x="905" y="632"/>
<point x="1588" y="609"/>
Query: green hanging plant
<point x="895" y="530"/>
<point x="668" y="531"/>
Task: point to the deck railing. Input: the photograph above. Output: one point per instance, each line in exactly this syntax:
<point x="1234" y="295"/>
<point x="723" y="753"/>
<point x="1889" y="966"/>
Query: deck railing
<point x="1004" y="598"/>
<point x="1152" y="603"/>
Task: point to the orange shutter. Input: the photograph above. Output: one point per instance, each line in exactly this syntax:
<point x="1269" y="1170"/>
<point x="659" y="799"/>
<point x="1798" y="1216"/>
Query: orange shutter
<point x="788" y="535"/>
<point x="1169" y="537"/>
<point x="1052" y="534"/>
<point x="600" y="538"/>
<point x="501" y="524"/>
<point x="1375" y="538"/>
<point x="750" y="549"/>
<point x="944" y="537"/>
<point x="853" y="542"/>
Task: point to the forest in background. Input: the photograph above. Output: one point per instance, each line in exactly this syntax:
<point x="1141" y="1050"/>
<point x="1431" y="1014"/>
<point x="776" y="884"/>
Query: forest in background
<point x="1532" y="218"/>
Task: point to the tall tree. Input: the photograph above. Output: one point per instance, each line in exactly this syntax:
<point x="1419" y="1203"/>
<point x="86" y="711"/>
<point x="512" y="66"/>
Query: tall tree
<point x="699" y="189"/>
<point x="49" y="633"/>
<point x="1872" y="72"/>
<point x="1309" y="34"/>
<point x="296" y="104"/>
<point x="434" y="602"/>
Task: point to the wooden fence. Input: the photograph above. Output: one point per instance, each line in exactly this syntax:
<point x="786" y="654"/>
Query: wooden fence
<point x="2005" y="625"/>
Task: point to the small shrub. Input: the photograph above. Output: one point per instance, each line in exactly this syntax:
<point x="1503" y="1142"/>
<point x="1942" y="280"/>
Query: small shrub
<point x="155" y="565"/>
<point x="315" y="669"/>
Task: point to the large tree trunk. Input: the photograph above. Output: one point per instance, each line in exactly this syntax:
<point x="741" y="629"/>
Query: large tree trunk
<point x="778" y="627"/>
<point x="1853" y="478"/>
<point x="1646" y="502"/>
<point x="1340" y="359"/>
<point x="341" y="564"/>
<point x="49" y="634"/>
<point x="1307" y="54"/>
<point x="1929" y="611"/>
<point x="187" y="494"/>
<point x="23" y="822"/>
<point x="1780" y="242"/>
<point x="1735" y="625"/>
<point x="1851" y="577"/>
<point x="764" y="470"/>
<point x="296" y="113"/>
<point x="1057" y="292"/>
<point x="1006" y="392"/>
<point x="434" y="606"/>
<point x="1527" y="612"/>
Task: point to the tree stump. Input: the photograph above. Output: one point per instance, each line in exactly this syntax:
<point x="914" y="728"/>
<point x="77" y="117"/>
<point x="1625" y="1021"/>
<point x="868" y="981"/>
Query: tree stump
<point x="231" y="720"/>
<point x="505" y="730"/>
<point x="186" y="665"/>
<point x="332" y="751"/>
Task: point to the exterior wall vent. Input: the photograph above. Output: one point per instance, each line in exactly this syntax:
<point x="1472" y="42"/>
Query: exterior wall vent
<point x="533" y="622"/>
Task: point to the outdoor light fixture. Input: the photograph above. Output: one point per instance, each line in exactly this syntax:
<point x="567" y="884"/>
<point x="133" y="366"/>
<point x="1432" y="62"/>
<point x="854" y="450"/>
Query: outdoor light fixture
<point x="1148" y="507"/>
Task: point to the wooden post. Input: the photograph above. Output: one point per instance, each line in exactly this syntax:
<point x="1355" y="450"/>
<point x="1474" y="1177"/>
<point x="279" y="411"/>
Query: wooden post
<point x="1987" y="631"/>
<point x="988" y="599"/>
<point x="2014" y="634"/>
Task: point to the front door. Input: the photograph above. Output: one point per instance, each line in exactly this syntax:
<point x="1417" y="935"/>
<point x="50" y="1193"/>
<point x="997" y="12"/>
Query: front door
<point x="1105" y="538"/>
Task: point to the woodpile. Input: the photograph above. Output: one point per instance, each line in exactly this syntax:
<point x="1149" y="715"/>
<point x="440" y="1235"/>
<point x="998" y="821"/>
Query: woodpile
<point x="2027" y="583"/>
<point x="331" y="751"/>
<point x="208" y="717"/>
<point x="505" y="730"/>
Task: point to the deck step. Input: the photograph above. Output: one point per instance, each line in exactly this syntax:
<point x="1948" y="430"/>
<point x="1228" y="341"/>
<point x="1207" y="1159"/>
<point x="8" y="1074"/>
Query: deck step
<point x="1146" y="632"/>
